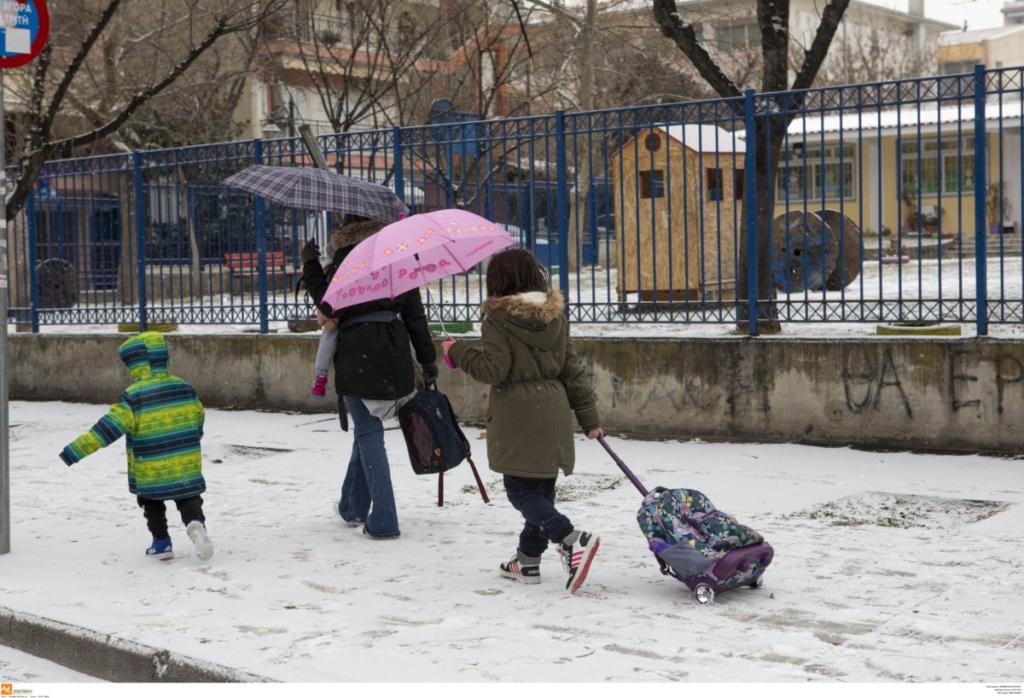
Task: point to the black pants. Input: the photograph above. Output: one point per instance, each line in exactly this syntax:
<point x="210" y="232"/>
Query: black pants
<point x="155" y="510"/>
<point x="534" y="498"/>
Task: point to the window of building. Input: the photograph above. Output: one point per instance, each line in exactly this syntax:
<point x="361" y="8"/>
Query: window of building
<point x="652" y="184"/>
<point x="956" y="67"/>
<point x="830" y="171"/>
<point x="737" y="37"/>
<point x="926" y="164"/>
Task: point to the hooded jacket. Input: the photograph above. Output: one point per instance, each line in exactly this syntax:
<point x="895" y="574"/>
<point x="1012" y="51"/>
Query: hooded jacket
<point x="536" y="383"/>
<point x="162" y="422"/>
<point x="372" y="359"/>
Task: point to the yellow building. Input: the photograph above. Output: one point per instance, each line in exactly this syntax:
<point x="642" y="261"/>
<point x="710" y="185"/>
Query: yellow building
<point x="960" y="51"/>
<point x="910" y="169"/>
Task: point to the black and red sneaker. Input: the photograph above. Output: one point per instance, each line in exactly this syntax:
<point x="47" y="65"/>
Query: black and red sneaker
<point x="576" y="558"/>
<point x="513" y="569"/>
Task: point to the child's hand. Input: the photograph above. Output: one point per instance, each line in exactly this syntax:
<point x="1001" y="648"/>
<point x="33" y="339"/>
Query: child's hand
<point x="596" y="433"/>
<point x="447" y="344"/>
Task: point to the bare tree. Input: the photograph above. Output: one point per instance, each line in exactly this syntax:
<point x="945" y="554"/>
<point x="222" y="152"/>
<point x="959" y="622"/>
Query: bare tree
<point x="114" y="59"/>
<point x="872" y="54"/>
<point x="770" y="128"/>
<point x="363" y="64"/>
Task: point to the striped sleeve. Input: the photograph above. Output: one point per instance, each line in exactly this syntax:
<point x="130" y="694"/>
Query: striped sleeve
<point x="117" y="422"/>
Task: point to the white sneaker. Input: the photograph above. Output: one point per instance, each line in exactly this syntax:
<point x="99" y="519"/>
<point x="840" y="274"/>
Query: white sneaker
<point x="197" y="533"/>
<point x="576" y="559"/>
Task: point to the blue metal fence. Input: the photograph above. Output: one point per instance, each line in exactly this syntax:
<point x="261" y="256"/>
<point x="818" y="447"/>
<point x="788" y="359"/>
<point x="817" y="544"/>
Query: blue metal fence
<point x="896" y="201"/>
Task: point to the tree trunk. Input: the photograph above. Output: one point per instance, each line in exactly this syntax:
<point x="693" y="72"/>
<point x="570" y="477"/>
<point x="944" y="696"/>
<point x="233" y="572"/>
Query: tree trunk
<point x="196" y="269"/>
<point x="583" y="166"/>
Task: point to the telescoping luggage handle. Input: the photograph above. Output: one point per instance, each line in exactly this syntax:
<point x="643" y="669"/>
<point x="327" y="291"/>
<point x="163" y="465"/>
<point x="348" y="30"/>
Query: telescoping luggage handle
<point x="476" y="476"/>
<point x="623" y="467"/>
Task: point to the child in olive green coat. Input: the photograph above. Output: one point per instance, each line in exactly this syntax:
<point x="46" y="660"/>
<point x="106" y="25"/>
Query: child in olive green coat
<point x="537" y="386"/>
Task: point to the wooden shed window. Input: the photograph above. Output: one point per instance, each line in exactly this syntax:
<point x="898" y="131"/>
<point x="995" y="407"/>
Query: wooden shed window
<point x="652" y="184"/>
<point x="713" y="182"/>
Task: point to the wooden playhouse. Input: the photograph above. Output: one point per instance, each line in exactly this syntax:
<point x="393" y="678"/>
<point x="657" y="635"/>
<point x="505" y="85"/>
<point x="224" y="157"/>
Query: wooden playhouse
<point x="678" y="205"/>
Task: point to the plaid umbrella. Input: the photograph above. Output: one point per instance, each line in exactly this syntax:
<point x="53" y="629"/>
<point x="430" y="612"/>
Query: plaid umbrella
<point x="319" y="190"/>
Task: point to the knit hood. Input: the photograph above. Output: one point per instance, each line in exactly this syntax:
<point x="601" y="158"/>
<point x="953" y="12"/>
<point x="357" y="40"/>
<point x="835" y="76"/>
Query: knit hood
<point x="145" y="355"/>
<point x="534" y="317"/>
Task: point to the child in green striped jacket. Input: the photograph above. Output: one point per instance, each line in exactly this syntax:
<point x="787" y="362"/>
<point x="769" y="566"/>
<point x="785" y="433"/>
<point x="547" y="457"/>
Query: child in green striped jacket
<point x="162" y="422"/>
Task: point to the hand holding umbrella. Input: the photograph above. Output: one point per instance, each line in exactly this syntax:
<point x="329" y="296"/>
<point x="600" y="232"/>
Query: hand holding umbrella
<point x="447" y="344"/>
<point x="414" y="252"/>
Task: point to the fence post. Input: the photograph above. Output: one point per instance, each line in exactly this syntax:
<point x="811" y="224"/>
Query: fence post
<point x="396" y="146"/>
<point x="33" y="280"/>
<point x="261" y="248"/>
<point x="750" y="204"/>
<point x="140" y="237"/>
<point x="980" y="178"/>
<point x="562" y="206"/>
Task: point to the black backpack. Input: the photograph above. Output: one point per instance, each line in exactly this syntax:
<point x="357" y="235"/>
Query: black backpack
<point x="432" y="434"/>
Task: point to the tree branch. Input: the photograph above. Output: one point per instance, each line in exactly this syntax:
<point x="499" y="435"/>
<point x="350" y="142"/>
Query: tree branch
<point x="76" y="64"/>
<point x="673" y="27"/>
<point x="220" y="29"/>
<point x="815" y="55"/>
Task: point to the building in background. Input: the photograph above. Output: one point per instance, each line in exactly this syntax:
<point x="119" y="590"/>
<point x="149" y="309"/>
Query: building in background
<point x="342" y="65"/>
<point x="960" y="51"/>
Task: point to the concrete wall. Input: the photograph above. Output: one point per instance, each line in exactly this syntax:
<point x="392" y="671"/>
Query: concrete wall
<point x="955" y="395"/>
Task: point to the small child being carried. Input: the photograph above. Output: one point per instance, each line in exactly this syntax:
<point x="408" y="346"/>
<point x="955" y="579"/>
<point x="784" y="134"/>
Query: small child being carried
<point x="353" y="231"/>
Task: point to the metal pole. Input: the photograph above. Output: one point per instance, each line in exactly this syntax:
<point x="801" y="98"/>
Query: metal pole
<point x="562" y="206"/>
<point x="5" y="471"/>
<point x="261" y="249"/>
<point x="140" y="239"/>
<point x="980" y="172"/>
<point x="750" y="204"/>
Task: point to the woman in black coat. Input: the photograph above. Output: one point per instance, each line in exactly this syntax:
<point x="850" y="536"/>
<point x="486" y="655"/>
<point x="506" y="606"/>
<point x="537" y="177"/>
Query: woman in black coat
<point x="373" y="375"/>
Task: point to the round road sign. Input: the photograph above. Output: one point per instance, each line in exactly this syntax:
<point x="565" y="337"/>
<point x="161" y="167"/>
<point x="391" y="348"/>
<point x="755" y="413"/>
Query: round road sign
<point x="24" y="25"/>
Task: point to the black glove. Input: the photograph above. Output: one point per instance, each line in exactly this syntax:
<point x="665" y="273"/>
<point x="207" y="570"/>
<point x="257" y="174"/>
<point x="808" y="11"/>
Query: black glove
<point x="429" y="373"/>
<point x="309" y="252"/>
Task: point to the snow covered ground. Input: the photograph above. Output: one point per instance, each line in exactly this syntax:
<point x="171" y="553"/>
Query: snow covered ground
<point x="18" y="667"/>
<point x="888" y="567"/>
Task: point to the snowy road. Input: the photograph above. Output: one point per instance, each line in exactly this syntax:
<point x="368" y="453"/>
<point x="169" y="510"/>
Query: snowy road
<point x="865" y="585"/>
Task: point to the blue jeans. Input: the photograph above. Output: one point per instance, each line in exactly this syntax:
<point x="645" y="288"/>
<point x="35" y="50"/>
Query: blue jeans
<point x="534" y="498"/>
<point x="366" y="493"/>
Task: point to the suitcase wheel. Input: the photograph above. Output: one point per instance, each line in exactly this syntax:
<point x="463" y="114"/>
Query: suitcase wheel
<point x="704" y="594"/>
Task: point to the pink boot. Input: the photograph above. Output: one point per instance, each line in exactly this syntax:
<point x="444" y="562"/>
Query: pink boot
<point x="319" y="387"/>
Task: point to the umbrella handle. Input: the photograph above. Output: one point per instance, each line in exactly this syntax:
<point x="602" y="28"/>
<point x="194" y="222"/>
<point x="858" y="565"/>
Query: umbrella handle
<point x="448" y="361"/>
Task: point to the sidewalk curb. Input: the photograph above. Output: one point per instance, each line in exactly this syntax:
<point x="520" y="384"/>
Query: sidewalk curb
<point x="107" y="657"/>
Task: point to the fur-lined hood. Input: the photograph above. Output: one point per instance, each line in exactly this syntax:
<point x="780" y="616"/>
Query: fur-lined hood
<point x="353" y="234"/>
<point x="535" y="307"/>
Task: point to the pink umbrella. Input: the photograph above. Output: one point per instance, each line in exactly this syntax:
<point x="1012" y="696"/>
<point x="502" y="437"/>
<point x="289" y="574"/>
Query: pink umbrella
<point x="414" y="252"/>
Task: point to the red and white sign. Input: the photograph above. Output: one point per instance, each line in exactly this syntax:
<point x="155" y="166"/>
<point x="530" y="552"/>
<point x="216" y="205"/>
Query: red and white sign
<point x="24" y="26"/>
